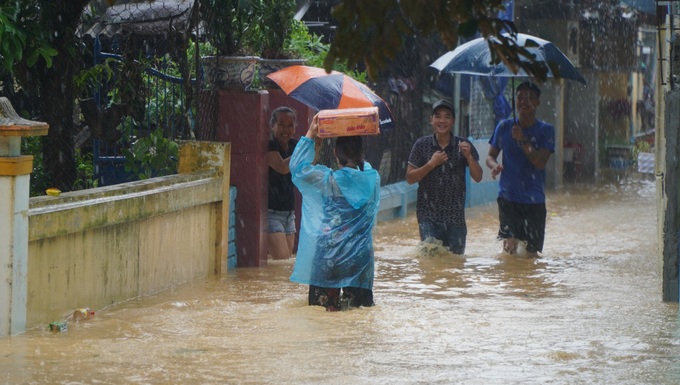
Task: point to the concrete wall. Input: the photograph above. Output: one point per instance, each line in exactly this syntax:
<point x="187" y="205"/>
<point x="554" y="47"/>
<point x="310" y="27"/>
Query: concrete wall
<point x="106" y="245"/>
<point x="101" y="246"/>
<point x="486" y="190"/>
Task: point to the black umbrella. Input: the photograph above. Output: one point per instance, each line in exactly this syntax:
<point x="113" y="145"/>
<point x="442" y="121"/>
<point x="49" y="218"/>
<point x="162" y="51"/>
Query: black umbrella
<point x="475" y="58"/>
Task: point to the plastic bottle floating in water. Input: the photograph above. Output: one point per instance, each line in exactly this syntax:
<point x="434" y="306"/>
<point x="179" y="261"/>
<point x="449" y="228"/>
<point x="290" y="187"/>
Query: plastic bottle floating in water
<point x="83" y="314"/>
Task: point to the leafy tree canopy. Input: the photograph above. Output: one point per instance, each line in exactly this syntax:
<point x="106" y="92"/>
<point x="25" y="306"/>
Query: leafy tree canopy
<point x="373" y="32"/>
<point x="23" y="40"/>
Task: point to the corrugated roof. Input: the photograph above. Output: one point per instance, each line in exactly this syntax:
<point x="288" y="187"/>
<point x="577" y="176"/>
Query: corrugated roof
<point x="147" y="18"/>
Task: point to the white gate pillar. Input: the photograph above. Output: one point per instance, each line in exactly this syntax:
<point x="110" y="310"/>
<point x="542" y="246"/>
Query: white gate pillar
<point x="15" y="172"/>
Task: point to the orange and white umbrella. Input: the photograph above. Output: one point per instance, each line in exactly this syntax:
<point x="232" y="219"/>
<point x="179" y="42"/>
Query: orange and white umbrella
<point x="320" y="90"/>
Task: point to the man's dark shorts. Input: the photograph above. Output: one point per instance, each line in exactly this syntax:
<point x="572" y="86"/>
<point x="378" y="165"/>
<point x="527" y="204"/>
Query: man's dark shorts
<point x="522" y="221"/>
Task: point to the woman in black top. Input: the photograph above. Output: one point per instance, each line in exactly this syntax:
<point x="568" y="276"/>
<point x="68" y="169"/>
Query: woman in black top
<point x="281" y="213"/>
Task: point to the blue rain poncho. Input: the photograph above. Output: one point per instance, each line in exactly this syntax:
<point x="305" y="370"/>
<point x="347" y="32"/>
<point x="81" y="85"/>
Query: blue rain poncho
<point x="339" y="210"/>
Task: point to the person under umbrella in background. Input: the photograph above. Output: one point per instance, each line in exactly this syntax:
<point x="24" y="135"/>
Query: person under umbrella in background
<point x="437" y="163"/>
<point x="527" y="144"/>
<point x="281" y="208"/>
<point x="339" y="211"/>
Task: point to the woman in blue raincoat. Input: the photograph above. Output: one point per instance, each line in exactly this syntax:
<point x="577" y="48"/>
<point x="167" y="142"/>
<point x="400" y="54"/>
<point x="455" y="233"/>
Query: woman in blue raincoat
<point x="339" y="209"/>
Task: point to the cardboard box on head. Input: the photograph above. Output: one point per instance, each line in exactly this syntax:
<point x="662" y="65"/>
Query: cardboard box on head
<point x="349" y="122"/>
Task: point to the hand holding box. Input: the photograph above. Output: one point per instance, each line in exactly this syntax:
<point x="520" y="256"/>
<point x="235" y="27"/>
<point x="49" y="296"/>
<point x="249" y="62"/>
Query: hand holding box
<point x="349" y="122"/>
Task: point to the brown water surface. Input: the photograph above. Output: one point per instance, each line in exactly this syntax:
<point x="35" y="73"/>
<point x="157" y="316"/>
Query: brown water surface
<point x="588" y="312"/>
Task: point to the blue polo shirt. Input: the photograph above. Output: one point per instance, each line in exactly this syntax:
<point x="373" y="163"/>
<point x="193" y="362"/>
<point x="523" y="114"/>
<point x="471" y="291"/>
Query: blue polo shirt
<point x="520" y="181"/>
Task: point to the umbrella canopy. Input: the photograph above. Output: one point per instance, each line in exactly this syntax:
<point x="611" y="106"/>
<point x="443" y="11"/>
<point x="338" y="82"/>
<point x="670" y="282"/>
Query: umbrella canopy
<point x="320" y="90"/>
<point x="645" y="6"/>
<point x="474" y="58"/>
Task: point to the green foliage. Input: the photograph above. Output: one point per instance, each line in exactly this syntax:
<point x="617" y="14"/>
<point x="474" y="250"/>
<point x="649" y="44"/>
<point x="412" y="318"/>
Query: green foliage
<point x="88" y="81"/>
<point x="22" y="38"/>
<point x="270" y="34"/>
<point x="203" y="48"/>
<point x="152" y="156"/>
<point x="228" y="24"/>
<point x="641" y="146"/>
<point x="249" y="27"/>
<point x="310" y="47"/>
<point x="40" y="180"/>
<point x="129" y="85"/>
<point x="360" y="37"/>
<point x="167" y="99"/>
<point x="13" y="41"/>
<point x="85" y="171"/>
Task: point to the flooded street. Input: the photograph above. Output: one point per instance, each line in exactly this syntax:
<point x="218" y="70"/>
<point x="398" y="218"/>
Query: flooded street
<point x="588" y="312"/>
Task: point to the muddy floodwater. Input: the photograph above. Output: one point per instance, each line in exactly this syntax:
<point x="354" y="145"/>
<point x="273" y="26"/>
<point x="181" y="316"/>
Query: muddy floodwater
<point x="589" y="311"/>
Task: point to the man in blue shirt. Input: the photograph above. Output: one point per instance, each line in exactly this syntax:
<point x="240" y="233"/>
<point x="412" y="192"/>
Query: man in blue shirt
<point x="527" y="144"/>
